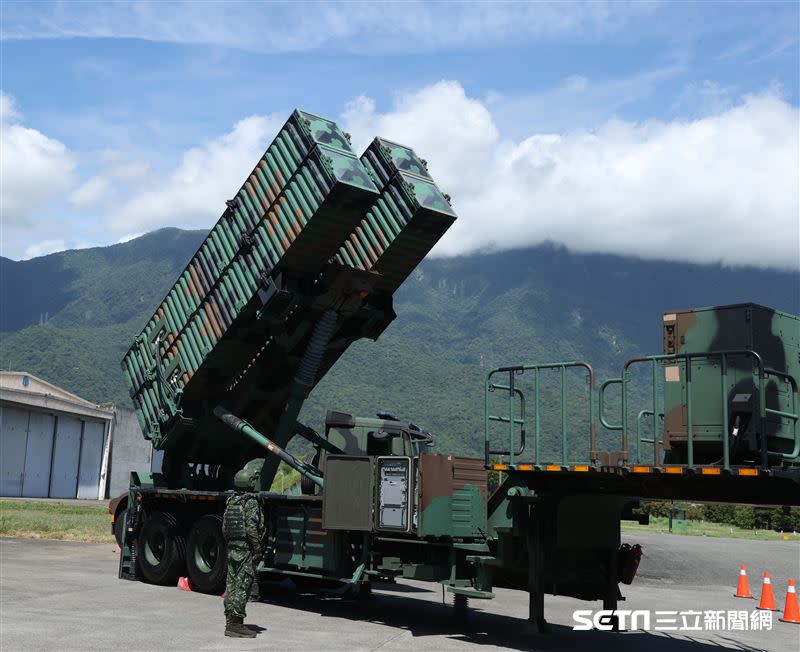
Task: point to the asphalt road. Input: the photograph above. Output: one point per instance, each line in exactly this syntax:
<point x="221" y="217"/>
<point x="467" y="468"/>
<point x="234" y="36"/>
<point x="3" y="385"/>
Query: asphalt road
<point x="64" y="595"/>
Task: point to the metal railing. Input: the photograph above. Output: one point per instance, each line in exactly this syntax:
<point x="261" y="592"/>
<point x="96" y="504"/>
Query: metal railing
<point x="513" y="420"/>
<point x="643" y="440"/>
<point x="793" y="416"/>
<point x="686" y="359"/>
<point x="517" y="443"/>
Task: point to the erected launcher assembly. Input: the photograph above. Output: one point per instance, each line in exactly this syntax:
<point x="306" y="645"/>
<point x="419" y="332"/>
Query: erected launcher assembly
<point x="303" y="262"/>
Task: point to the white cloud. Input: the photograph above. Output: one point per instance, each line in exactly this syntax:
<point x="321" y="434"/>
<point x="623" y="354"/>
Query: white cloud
<point x="100" y="188"/>
<point x="194" y="194"/>
<point x="8" y="108"/>
<point x="44" y="247"/>
<point x="128" y="237"/>
<point x="34" y="167"/>
<point x="464" y="138"/>
<point x="129" y="171"/>
<point x="720" y="188"/>
<point x="360" y="26"/>
<point x="723" y="188"/>
<point x="579" y="101"/>
<point x="91" y="193"/>
<point x="706" y="97"/>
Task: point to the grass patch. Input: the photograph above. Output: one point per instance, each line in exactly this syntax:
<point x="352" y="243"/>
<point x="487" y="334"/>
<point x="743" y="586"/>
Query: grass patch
<point x="660" y="525"/>
<point x="51" y="520"/>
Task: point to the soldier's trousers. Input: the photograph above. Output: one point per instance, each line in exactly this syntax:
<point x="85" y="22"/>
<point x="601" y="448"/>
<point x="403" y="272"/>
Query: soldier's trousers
<point x="240" y="579"/>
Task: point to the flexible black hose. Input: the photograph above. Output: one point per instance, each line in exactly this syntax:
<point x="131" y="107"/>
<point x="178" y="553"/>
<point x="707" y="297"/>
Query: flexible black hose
<point x="312" y="358"/>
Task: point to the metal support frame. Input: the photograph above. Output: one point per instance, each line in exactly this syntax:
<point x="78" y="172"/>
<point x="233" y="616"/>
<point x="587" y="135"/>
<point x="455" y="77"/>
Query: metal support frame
<point x="611" y="597"/>
<point x="534" y="539"/>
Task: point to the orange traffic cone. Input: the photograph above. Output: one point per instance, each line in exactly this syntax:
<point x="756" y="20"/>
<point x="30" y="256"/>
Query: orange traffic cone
<point x="791" y="612"/>
<point x="767" y="598"/>
<point x="743" y="588"/>
<point x="183" y="584"/>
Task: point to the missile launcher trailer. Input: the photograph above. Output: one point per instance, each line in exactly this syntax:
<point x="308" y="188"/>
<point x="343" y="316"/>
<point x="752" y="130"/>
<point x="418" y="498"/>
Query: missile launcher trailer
<point x="304" y="261"/>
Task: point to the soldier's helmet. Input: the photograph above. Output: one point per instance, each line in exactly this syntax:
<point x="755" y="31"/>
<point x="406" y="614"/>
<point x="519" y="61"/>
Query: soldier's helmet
<point x="246" y="479"/>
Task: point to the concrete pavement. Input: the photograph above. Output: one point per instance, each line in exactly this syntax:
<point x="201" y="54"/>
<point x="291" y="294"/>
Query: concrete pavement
<point x="65" y="595"/>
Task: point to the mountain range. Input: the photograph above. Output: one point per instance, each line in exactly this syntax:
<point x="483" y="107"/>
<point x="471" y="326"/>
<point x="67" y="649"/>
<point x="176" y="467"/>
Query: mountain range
<point x="69" y="317"/>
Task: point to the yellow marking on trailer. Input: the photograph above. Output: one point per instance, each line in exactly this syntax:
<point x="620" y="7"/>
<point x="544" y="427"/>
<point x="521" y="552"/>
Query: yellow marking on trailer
<point x="750" y="472"/>
<point x="525" y="467"/>
<point x="582" y="468"/>
<point x="674" y="470"/>
<point x="710" y="470"/>
<point x="641" y="469"/>
<point x="552" y="467"/>
<point x="500" y="467"/>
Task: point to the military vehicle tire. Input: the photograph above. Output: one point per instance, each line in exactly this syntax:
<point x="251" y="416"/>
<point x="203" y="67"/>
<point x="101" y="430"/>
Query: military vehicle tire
<point x="161" y="549"/>
<point x="206" y="555"/>
<point x="119" y="527"/>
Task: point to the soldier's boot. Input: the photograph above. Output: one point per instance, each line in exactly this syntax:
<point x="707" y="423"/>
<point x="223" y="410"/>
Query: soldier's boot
<point x="255" y="591"/>
<point x="234" y="627"/>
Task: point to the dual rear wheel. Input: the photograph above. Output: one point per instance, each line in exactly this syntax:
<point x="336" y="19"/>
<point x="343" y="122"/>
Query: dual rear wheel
<point x="206" y="561"/>
<point x="165" y="553"/>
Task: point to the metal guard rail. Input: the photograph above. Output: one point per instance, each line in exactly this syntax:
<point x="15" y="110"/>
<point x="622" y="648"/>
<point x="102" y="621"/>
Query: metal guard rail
<point x="520" y="421"/>
<point x="641" y="440"/>
<point x="686" y="358"/>
<point x="513" y="391"/>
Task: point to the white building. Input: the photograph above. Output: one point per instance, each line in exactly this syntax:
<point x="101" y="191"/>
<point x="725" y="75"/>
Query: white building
<point x="58" y="445"/>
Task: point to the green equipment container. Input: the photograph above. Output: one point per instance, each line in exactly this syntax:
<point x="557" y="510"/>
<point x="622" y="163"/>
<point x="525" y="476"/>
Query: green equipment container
<point x="728" y="399"/>
<point x="431" y="496"/>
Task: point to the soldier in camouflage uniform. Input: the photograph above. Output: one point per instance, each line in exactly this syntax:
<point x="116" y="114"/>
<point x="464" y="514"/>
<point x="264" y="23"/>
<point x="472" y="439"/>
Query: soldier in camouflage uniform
<point x="243" y="527"/>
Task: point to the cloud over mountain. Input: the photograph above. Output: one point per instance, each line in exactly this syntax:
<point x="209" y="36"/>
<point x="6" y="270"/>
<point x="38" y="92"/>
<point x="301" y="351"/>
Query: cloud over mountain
<point x="721" y="188"/>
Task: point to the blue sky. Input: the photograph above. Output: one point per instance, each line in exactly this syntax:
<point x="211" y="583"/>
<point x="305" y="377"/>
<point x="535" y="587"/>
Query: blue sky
<point x="621" y="127"/>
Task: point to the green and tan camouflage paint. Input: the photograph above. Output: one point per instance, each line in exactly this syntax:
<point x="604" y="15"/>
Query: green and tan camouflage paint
<point x="774" y="335"/>
<point x="452" y="497"/>
<point x="405" y="221"/>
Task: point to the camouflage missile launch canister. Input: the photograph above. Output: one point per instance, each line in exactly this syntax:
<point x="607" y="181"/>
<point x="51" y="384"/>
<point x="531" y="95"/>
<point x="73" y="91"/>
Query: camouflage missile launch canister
<point x="303" y="198"/>
<point x="234" y="326"/>
<point x="404" y="223"/>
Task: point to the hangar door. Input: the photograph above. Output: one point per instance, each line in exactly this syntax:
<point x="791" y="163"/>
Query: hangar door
<point x="43" y="454"/>
<point x="91" y="458"/>
<point x="13" y="439"/>
<point x="66" y="452"/>
<point x="38" y="453"/>
<point x="26" y="447"/>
